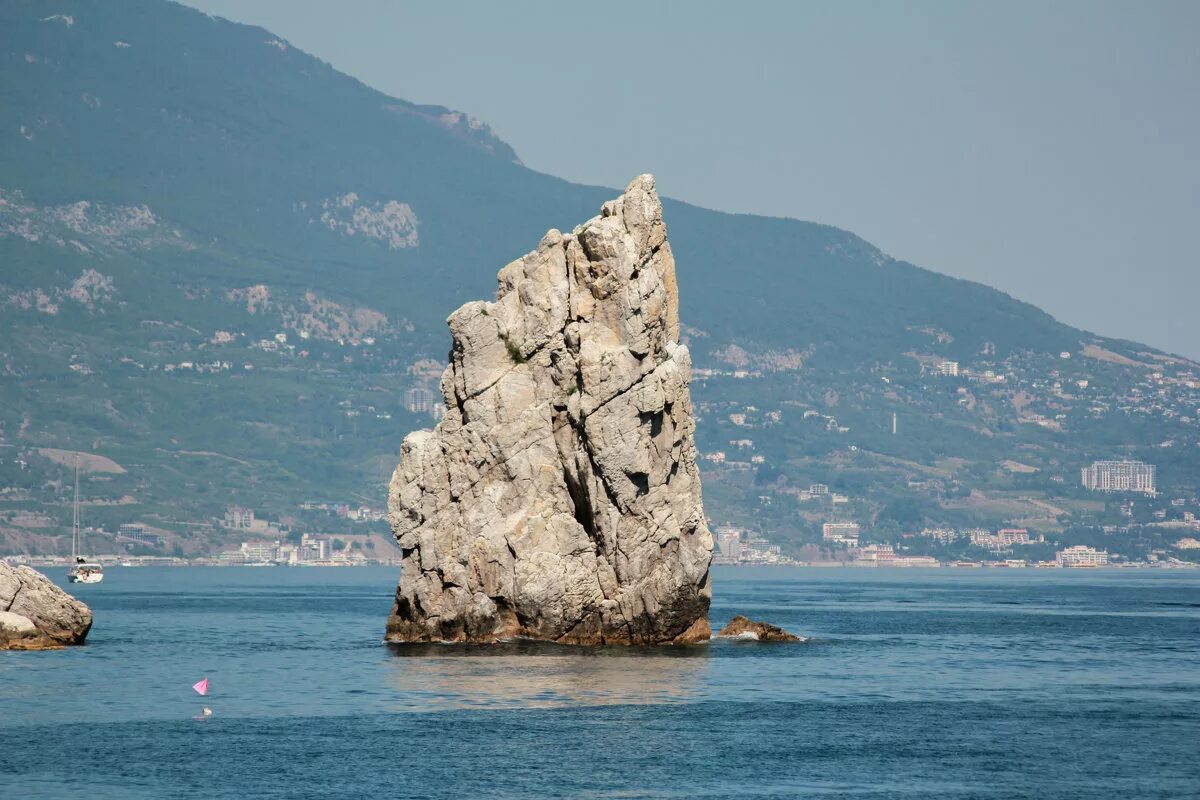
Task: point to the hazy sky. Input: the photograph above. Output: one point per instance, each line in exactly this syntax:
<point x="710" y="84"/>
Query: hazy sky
<point x="1046" y="149"/>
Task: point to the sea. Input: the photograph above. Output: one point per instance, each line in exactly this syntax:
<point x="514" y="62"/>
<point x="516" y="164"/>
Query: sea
<point x="939" y="683"/>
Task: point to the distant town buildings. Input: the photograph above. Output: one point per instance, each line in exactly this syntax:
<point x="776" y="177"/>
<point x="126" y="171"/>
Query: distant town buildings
<point x="243" y="519"/>
<point x="259" y="552"/>
<point x="1010" y="536"/>
<point x="760" y="549"/>
<point x="884" y="555"/>
<point x="819" y="492"/>
<point x="729" y="542"/>
<point x="1119" y="476"/>
<point x="941" y="535"/>
<point x="238" y="517"/>
<point x="346" y="511"/>
<point x="418" y="400"/>
<point x="137" y="533"/>
<point x="841" y="533"/>
<point x="312" y="550"/>
<point x="946" y="368"/>
<point x="733" y="547"/>
<point x="1003" y="540"/>
<point x="1081" y="556"/>
<point x="876" y="553"/>
<point x="365" y="514"/>
<point x="248" y="553"/>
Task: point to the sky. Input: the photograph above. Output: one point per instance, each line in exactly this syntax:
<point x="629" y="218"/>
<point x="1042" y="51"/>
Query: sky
<point x="1046" y="149"/>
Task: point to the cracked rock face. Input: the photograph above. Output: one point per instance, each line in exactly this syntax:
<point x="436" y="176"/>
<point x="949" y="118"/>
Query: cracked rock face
<point x="37" y="615"/>
<point x="559" y="497"/>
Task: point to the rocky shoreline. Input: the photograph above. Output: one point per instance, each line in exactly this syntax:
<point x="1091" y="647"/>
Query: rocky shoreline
<point x="745" y="629"/>
<point x="37" y="615"/>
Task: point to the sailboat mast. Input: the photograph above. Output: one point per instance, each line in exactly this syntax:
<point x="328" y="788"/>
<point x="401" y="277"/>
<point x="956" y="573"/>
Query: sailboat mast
<point x="75" y="519"/>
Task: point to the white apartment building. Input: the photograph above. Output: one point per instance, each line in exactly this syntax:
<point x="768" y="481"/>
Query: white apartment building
<point x="418" y="400"/>
<point x="238" y="517"/>
<point x="1010" y="536"/>
<point x="947" y="368"/>
<point x="844" y="533"/>
<point x="914" y="561"/>
<point x="314" y="548"/>
<point x="1082" y="556"/>
<point x="982" y="538"/>
<point x="877" y="554"/>
<point x="1001" y="540"/>
<point x="730" y="544"/>
<point x="943" y="535"/>
<point x="1119" y="476"/>
<point x="258" y="552"/>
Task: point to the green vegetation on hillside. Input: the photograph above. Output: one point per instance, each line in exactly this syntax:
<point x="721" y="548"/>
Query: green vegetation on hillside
<point x="226" y="266"/>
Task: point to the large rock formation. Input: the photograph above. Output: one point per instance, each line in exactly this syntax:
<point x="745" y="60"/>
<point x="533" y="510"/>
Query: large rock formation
<point x="559" y="497"/>
<point x="37" y="615"/>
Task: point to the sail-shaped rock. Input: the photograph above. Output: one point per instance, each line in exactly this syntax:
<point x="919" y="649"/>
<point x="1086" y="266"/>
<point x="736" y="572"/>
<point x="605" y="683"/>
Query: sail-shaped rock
<point x="559" y="498"/>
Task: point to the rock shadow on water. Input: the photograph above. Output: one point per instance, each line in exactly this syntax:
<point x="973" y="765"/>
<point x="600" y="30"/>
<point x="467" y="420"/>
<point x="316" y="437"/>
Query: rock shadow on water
<point x="525" y="673"/>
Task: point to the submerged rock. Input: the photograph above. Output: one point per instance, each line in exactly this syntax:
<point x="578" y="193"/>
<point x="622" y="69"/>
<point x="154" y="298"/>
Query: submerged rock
<point x="745" y="628"/>
<point x="37" y="615"/>
<point x="559" y="497"/>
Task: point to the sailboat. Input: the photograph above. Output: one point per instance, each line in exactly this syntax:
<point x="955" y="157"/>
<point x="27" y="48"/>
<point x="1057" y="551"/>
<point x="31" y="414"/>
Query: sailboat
<point x="82" y="570"/>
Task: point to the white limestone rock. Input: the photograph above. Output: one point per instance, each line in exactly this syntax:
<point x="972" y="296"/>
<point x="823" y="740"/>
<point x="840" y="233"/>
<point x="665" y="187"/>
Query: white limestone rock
<point x="559" y="497"/>
<point x="37" y="615"/>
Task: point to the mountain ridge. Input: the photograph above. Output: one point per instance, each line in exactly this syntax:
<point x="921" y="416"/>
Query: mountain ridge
<point x="193" y="196"/>
<point x="254" y="48"/>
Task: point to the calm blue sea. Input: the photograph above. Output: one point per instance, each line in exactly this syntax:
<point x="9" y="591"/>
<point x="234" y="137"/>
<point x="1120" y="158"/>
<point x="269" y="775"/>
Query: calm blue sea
<point x="919" y="684"/>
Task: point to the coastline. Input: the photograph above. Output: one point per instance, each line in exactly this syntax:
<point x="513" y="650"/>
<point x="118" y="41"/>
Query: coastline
<point x="114" y="562"/>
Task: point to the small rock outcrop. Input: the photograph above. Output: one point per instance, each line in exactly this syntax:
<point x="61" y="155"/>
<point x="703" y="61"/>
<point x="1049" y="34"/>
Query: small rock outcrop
<point x="559" y="497"/>
<point x="37" y="615"/>
<point x="745" y="628"/>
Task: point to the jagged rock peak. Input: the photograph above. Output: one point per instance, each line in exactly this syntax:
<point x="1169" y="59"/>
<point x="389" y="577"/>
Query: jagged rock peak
<point x="559" y="497"/>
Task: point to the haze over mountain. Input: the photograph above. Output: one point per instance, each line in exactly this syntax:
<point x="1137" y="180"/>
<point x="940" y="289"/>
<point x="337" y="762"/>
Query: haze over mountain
<point x="1040" y="148"/>
<point x="226" y="268"/>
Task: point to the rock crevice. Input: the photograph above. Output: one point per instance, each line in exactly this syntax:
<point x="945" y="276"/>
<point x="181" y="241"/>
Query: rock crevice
<point x="559" y="497"/>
